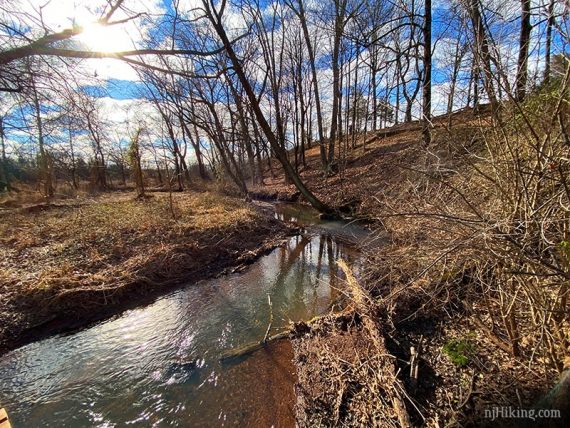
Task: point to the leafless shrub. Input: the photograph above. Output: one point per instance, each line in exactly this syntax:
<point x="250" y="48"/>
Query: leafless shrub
<point x="481" y="226"/>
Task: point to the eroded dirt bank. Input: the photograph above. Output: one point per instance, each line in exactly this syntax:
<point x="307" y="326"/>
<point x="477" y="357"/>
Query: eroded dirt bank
<point x="65" y="266"/>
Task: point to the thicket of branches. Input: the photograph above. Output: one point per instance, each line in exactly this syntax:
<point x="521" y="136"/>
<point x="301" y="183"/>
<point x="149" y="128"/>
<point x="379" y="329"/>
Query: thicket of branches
<point x="480" y="228"/>
<point x="236" y="85"/>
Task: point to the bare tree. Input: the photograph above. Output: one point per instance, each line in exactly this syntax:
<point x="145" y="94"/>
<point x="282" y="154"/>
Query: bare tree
<point x="214" y="15"/>
<point x="482" y="53"/>
<point x="135" y="161"/>
<point x="426" y="86"/>
<point x="524" y="42"/>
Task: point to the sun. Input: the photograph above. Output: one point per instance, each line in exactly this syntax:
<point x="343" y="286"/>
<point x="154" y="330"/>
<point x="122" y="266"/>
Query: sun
<point x="100" y="38"/>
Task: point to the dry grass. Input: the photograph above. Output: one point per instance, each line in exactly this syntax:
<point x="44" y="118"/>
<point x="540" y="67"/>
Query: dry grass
<point x="69" y="257"/>
<point x="86" y="238"/>
<point x="477" y="226"/>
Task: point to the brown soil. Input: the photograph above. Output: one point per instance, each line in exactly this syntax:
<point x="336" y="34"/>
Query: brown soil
<point x="68" y="264"/>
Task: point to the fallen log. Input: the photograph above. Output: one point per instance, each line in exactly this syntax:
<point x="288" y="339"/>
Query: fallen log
<point x="250" y="348"/>
<point x="245" y="350"/>
<point x="365" y="306"/>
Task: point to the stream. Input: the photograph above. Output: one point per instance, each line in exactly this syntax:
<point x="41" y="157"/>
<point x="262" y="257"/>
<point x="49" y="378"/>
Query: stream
<point x="158" y="365"/>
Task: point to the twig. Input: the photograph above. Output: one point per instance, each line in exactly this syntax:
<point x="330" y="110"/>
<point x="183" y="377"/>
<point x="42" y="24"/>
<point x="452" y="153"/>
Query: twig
<point x="270" y="319"/>
<point x="469" y="392"/>
<point x="414" y="362"/>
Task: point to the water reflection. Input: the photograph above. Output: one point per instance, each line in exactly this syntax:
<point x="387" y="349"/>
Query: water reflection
<point x="158" y="365"/>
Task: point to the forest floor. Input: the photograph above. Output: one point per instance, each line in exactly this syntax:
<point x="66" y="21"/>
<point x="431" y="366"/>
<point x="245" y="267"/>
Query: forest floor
<point x="75" y="261"/>
<point x="462" y="373"/>
<point x="85" y="259"/>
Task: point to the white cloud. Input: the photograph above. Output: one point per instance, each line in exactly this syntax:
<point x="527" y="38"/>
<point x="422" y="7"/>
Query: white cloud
<point x="109" y="69"/>
<point x="37" y="16"/>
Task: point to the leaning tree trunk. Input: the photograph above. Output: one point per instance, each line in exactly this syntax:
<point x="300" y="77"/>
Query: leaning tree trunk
<point x="280" y="152"/>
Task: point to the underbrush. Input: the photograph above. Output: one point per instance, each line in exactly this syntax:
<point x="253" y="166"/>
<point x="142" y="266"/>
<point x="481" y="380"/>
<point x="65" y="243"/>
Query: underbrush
<point x="478" y="227"/>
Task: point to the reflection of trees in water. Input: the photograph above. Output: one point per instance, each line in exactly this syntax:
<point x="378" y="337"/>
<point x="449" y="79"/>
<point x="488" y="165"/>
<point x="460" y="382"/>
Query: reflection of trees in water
<point x="288" y="257"/>
<point x="320" y="258"/>
<point x="297" y="269"/>
<point x="334" y="251"/>
<point x="333" y="279"/>
<point x="332" y="255"/>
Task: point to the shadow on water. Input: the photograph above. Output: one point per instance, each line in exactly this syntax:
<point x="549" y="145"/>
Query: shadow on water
<point x="159" y="365"/>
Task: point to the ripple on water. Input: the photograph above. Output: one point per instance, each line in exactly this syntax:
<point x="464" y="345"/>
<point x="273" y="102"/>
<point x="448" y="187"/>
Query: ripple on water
<point x="159" y="364"/>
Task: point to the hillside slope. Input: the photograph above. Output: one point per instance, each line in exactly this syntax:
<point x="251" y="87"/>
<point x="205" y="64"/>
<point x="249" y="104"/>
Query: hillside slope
<point x="451" y="286"/>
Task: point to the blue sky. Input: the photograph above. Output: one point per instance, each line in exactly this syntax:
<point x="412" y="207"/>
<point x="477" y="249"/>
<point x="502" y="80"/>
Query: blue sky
<point x="117" y="85"/>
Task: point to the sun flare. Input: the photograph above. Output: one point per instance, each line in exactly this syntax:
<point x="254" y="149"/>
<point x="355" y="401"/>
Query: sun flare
<point x="100" y="38"/>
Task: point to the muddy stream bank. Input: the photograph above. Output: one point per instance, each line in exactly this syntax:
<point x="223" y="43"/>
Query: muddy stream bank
<point x="160" y="364"/>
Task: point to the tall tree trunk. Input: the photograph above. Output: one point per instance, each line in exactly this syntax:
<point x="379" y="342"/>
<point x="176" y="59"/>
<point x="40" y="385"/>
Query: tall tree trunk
<point x="159" y="173"/>
<point x="45" y="170"/>
<point x="426" y="134"/>
<point x="340" y="9"/>
<point x="167" y="120"/>
<point x="458" y="56"/>
<point x="73" y="169"/>
<point x="175" y="151"/>
<point x="373" y="82"/>
<point x="303" y="110"/>
<point x="524" y="41"/>
<point x="185" y="169"/>
<point x="280" y="152"/>
<point x="300" y="12"/>
<point x="397" y="112"/>
<point x="4" y="178"/>
<point x="195" y="141"/>
<point x="548" y="47"/>
<point x="99" y="167"/>
<point x="257" y="141"/>
<point x="135" y="160"/>
<point x="123" y="173"/>
<point x="354" y="129"/>
<point x="476" y="71"/>
<point x="482" y="50"/>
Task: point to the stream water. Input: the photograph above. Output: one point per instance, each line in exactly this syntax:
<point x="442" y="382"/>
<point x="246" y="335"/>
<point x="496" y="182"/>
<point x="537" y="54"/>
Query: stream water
<point x="159" y="365"/>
